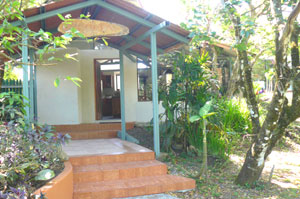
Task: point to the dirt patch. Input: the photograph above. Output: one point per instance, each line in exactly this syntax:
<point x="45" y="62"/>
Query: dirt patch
<point x="144" y="136"/>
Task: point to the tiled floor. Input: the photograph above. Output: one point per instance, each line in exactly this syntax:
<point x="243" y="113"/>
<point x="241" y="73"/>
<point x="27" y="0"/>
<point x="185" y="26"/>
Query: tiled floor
<point x="112" y="146"/>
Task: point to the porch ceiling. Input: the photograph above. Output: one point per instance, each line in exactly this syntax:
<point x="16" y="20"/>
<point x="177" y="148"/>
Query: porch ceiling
<point x="136" y="19"/>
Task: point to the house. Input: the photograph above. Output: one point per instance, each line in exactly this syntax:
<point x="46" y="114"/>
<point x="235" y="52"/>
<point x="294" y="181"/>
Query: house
<point x="127" y="62"/>
<point x="113" y="95"/>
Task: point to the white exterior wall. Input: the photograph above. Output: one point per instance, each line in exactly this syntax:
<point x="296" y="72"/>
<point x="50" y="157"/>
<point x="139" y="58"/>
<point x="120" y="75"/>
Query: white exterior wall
<point x="88" y="88"/>
<point x="58" y="105"/>
<point x="69" y="104"/>
<point x="144" y="113"/>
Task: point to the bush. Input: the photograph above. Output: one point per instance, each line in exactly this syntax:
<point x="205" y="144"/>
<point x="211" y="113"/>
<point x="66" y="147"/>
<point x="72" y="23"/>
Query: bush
<point x="233" y="116"/>
<point x="30" y="155"/>
<point x="231" y="121"/>
<point x="192" y="85"/>
<point x="12" y="107"/>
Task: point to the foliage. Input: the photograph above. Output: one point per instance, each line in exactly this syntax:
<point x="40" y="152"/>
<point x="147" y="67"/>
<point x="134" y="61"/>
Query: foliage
<point x="203" y="114"/>
<point x="225" y="128"/>
<point x="189" y="90"/>
<point x="232" y="116"/>
<point x="13" y="38"/>
<point x="256" y="29"/>
<point x="29" y="154"/>
<point x="192" y="86"/>
<point x="9" y="73"/>
<point x="12" y="107"/>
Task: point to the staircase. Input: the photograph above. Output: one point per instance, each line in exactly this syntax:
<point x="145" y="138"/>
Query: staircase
<point x="113" y="168"/>
<point x="123" y="175"/>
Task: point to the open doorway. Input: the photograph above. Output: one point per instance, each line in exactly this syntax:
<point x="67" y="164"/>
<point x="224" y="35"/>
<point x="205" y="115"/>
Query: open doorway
<point x="107" y="89"/>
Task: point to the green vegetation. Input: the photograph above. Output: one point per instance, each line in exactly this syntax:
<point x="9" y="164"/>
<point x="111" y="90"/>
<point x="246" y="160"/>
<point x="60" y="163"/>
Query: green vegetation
<point x="192" y="86"/>
<point x="30" y="154"/>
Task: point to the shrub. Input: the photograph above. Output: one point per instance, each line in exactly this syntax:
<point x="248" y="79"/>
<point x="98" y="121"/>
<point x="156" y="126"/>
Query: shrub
<point x="12" y="107"/>
<point x="233" y="116"/>
<point x="191" y="86"/>
<point x="232" y="120"/>
<point x="30" y="155"/>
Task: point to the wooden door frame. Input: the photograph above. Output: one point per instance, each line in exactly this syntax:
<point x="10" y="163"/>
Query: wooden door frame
<point x="97" y="87"/>
<point x="98" y="106"/>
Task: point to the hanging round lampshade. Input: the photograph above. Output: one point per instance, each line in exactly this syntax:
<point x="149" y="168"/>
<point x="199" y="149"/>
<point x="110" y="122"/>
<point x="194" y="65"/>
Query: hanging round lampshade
<point x="93" y="28"/>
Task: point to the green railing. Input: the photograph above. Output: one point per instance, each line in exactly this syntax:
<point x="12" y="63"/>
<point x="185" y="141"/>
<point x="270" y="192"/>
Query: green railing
<point x="12" y="86"/>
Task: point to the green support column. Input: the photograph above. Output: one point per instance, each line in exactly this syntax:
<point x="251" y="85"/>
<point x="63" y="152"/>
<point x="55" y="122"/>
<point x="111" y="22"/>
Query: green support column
<point x="155" y="94"/>
<point x="35" y="94"/>
<point x="122" y="95"/>
<point x="31" y="87"/>
<point x="25" y="73"/>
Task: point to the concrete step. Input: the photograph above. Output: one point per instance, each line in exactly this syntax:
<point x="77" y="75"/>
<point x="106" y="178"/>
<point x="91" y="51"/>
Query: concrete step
<point x="91" y="127"/>
<point x="117" y="171"/>
<point x="111" y="158"/>
<point x="131" y="187"/>
<point x="96" y="134"/>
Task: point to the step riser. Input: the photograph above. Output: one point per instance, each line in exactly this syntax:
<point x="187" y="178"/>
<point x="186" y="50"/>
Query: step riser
<point x="135" y="191"/>
<point x="97" y="176"/>
<point x="102" y="159"/>
<point x="92" y="135"/>
<point x="91" y="127"/>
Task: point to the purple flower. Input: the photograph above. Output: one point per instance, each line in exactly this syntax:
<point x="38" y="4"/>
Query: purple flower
<point x="19" y="193"/>
<point x="3" y="195"/>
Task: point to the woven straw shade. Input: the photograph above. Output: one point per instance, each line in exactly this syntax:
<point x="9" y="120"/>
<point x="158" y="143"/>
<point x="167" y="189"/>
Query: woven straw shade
<point x="93" y="28"/>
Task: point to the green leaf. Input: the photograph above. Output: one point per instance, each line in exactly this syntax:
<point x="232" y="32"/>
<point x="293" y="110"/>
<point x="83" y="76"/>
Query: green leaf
<point x="75" y="80"/>
<point x="104" y="40"/>
<point x="56" y="82"/>
<point x="68" y="56"/>
<point x="205" y="109"/>
<point x="61" y="17"/>
<point x="195" y="118"/>
<point x="45" y="174"/>
<point x="209" y="114"/>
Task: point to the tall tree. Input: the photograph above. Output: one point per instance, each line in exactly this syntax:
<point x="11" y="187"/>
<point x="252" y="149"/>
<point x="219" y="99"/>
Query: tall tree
<point x="248" y="21"/>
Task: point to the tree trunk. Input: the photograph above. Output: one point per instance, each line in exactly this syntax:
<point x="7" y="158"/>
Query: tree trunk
<point x="204" y="163"/>
<point x="234" y="81"/>
<point x="279" y="114"/>
<point x="262" y="148"/>
<point x="1" y="72"/>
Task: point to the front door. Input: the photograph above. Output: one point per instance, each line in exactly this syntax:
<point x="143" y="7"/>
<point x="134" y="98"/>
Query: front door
<point x="107" y="89"/>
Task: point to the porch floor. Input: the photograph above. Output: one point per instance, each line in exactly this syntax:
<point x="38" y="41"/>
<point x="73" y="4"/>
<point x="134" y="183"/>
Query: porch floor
<point x="111" y="146"/>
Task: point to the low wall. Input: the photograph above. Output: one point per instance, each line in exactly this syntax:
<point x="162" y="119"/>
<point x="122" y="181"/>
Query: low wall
<point x="61" y="187"/>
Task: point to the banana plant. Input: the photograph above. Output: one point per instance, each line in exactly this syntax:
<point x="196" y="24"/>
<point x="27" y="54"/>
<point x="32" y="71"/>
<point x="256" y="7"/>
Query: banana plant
<point x="202" y="116"/>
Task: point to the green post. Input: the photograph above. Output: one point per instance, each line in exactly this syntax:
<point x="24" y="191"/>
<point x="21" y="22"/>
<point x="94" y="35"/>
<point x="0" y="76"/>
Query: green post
<point x="31" y="87"/>
<point x="25" y="72"/>
<point x="155" y="94"/>
<point x="35" y="94"/>
<point x="122" y="94"/>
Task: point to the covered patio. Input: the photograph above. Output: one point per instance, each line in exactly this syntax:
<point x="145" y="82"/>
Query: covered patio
<point x="102" y="165"/>
<point x="149" y="36"/>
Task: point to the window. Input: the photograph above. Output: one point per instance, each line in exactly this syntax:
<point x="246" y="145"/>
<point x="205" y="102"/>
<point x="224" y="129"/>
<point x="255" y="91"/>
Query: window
<point x="118" y="82"/>
<point x="144" y="75"/>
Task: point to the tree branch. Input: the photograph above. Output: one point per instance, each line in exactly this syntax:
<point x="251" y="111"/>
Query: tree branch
<point x="289" y="26"/>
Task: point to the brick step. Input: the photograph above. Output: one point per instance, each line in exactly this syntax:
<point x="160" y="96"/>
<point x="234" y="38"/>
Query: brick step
<point x="117" y="171"/>
<point x="131" y="187"/>
<point x="91" y="127"/>
<point x="96" y="134"/>
<point x="113" y="158"/>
